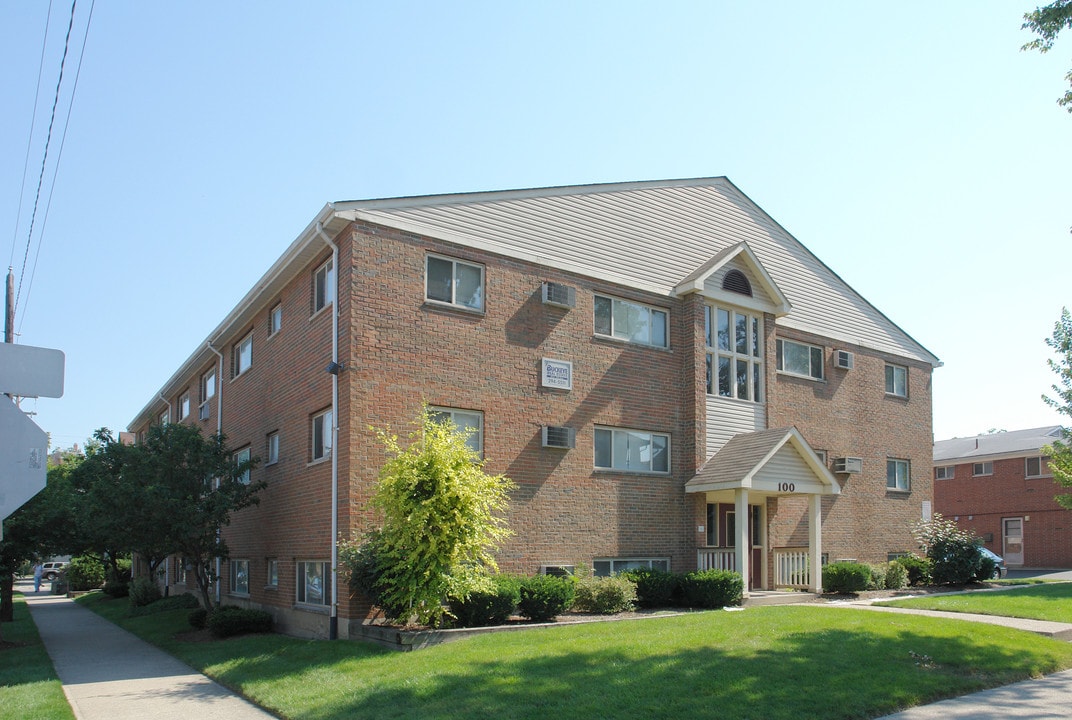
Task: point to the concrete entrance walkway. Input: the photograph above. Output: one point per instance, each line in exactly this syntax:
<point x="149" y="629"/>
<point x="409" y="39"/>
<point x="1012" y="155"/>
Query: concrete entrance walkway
<point x="109" y="674"/>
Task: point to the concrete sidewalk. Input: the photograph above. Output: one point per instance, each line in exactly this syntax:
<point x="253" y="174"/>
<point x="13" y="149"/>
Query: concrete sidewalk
<point x="109" y="674"/>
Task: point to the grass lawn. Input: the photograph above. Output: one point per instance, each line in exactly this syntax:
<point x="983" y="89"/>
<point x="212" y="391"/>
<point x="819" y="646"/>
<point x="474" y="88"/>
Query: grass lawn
<point x="1038" y="602"/>
<point x="771" y="663"/>
<point x="29" y="687"/>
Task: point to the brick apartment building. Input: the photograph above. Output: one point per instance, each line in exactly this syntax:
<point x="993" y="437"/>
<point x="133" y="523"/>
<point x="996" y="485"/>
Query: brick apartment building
<point x="1000" y="487"/>
<point x="647" y="361"/>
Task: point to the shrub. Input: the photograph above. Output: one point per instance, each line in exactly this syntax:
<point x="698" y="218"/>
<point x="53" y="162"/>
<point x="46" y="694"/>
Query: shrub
<point x="604" y="595"/>
<point x="877" y="581"/>
<point x="490" y="604"/>
<point x="117" y="584"/>
<point x="229" y="621"/>
<point x="175" y="602"/>
<point x="197" y="618"/>
<point x="846" y="577"/>
<point x="85" y="573"/>
<point x="896" y="575"/>
<point x="545" y="597"/>
<point x="986" y="569"/>
<point x="954" y="554"/>
<point x="655" y="588"/>
<point x="918" y="569"/>
<point x="711" y="589"/>
<point x="143" y="591"/>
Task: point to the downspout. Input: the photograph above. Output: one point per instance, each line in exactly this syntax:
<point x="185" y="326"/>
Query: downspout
<point x="333" y="621"/>
<point x="219" y="431"/>
<point x="167" y="565"/>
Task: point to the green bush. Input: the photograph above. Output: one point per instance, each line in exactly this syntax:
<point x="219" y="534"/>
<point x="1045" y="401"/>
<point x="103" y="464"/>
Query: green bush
<point x="229" y="621"/>
<point x="604" y="595"/>
<point x="918" y="569"/>
<point x="846" y="577"/>
<point x="711" y="589"/>
<point x="545" y="597"/>
<point x="986" y="568"/>
<point x="143" y="591"/>
<point x="877" y="581"/>
<point x="85" y="573"/>
<point x="175" y="602"/>
<point x="117" y="584"/>
<point x="655" y="588"/>
<point x="896" y="575"/>
<point x="197" y="618"/>
<point x="492" y="604"/>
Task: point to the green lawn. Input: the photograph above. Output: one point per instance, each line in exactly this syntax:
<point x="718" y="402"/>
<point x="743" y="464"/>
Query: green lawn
<point x="29" y="687"/>
<point x="776" y="662"/>
<point x="1050" y="601"/>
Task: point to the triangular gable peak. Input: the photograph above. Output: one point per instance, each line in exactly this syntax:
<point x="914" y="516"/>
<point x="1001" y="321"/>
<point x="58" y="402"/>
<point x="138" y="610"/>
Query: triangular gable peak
<point x="710" y="280"/>
<point x="778" y="461"/>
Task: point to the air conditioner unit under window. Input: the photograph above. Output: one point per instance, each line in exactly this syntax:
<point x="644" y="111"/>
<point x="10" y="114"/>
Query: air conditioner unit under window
<point x="559" y="295"/>
<point x="849" y="465"/>
<point x="559" y="437"/>
<point x="202" y="412"/>
<point x="843" y="359"/>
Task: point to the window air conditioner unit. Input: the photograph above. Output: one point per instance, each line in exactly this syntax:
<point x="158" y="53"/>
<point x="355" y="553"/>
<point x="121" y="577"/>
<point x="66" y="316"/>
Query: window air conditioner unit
<point x="850" y="465"/>
<point x="557" y="570"/>
<point x="843" y="359"/>
<point x="559" y="295"/>
<point x="202" y="412"/>
<point x="559" y="437"/>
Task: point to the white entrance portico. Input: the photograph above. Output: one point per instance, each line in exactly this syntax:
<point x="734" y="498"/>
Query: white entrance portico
<point x="750" y="468"/>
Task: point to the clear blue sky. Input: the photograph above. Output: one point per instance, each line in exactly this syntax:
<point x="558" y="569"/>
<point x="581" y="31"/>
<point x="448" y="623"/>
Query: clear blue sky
<point x="911" y="146"/>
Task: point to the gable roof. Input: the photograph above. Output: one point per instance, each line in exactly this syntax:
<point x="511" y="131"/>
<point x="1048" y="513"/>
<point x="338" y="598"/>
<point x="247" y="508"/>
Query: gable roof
<point x="1011" y="444"/>
<point x="652" y="236"/>
<point x="743" y="254"/>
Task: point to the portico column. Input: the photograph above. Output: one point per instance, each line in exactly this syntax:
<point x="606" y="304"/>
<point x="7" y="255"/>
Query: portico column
<point x="741" y="537"/>
<point x="815" y="542"/>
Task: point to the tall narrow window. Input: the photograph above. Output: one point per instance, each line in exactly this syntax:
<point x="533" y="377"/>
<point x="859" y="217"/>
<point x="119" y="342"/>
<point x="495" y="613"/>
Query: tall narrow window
<point x="322" y="435"/>
<point x="242" y="357"/>
<point x="734" y="354"/>
<point x="184" y="406"/>
<point x="208" y="385"/>
<point x="323" y="286"/>
<point x="314" y="583"/>
<point x="897" y="477"/>
<point x="275" y="319"/>
<point x="897" y="380"/>
<point x="242" y="456"/>
<point x="240" y="577"/>
<point x="272" y="449"/>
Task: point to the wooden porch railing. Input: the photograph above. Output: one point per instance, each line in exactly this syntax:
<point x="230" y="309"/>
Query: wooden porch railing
<point x="716" y="559"/>
<point x="791" y="568"/>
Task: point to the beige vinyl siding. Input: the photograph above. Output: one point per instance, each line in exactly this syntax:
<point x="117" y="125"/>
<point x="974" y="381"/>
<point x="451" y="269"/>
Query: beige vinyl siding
<point x="727" y="417"/>
<point x="713" y="284"/>
<point x="787" y="467"/>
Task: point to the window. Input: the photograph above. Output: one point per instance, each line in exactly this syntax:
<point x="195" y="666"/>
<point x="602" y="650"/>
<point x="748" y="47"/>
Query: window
<point x="242" y="356"/>
<point x="603" y="567"/>
<point x="945" y="472"/>
<point x="314" y="583"/>
<point x="240" y="577"/>
<point x="470" y="422"/>
<point x="275" y="319"/>
<point x="821" y="454"/>
<point x="242" y="456"/>
<point x="271" y="578"/>
<point x="632" y="450"/>
<point x="454" y="282"/>
<point x="897" y="475"/>
<point x="631" y="321"/>
<point x="982" y="468"/>
<point x="272" y="450"/>
<point x="180" y="571"/>
<point x="184" y="406"/>
<point x="799" y="359"/>
<point x="734" y="354"/>
<point x="897" y="380"/>
<point x="165" y="417"/>
<point x="322" y="435"/>
<point x="208" y="386"/>
<point x="1037" y="467"/>
<point x="323" y="286"/>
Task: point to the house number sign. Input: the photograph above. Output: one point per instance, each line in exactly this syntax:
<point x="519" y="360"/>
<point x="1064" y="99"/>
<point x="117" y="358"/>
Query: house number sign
<point x="787" y="487"/>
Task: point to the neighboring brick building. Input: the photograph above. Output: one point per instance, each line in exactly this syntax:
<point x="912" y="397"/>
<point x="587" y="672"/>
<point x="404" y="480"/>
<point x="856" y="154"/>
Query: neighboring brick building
<point x="647" y="361"/>
<point x="999" y="486"/>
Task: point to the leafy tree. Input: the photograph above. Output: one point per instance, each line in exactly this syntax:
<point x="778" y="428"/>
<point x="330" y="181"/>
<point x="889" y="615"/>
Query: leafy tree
<point x="1047" y="22"/>
<point x="441" y="523"/>
<point x="1060" y="451"/>
<point x="954" y="553"/>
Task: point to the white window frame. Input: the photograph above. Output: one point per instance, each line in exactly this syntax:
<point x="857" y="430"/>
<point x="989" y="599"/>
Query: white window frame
<point x="722" y="353"/>
<point x="272" y="448"/>
<point x="184" y="405"/>
<point x="615" y="437"/>
<point x="242" y="456"/>
<point x="945" y="472"/>
<point x="901" y="482"/>
<point x="615" y="565"/>
<point x="271" y="572"/>
<point x="180" y="570"/>
<point x="208" y="386"/>
<point x="608" y="326"/>
<point x="474" y="435"/>
<point x="165" y="417"/>
<point x="323" y="286"/>
<point x="275" y="319"/>
<point x="453" y="300"/>
<point x="816" y="356"/>
<point x="893" y="372"/>
<point x="236" y="575"/>
<point x="982" y="469"/>
<point x="301" y="590"/>
<point x="1043" y="469"/>
<point x="320" y="439"/>
<point x="243" y="347"/>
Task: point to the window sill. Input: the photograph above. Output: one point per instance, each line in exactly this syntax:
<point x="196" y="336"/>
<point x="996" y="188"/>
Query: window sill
<point x="895" y="396"/>
<point x="452" y="307"/>
<point x="632" y="473"/>
<point x="898" y="491"/>
<point x="319" y="461"/>
<point x="629" y="343"/>
<point x="314" y="609"/>
<point x="795" y="376"/>
<point x="320" y="311"/>
<point x="238" y="595"/>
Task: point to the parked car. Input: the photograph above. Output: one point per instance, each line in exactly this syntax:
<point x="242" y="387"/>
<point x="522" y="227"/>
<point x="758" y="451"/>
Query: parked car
<point x="51" y="570"/>
<point x="1000" y="570"/>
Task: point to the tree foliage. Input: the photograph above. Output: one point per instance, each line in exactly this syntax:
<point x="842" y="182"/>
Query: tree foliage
<point x="1060" y="451"/>
<point x="1048" y="22"/>
<point x="954" y="553"/>
<point x="441" y="523"/>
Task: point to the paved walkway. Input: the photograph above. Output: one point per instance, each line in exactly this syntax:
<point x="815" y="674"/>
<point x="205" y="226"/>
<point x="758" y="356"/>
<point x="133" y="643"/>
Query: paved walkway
<point x="109" y="674"/>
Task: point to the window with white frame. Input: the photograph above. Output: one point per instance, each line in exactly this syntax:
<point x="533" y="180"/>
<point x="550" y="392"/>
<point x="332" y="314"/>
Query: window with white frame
<point x="275" y="319"/>
<point x="271" y="576"/>
<point x="314" y="583"/>
<point x="165" y="417"/>
<point x="632" y="450"/>
<point x="1037" y="467"/>
<point x="468" y="422"/>
<point x="321" y="439"/>
<point x="208" y="386"/>
<point x="734" y="353"/>
<point x="800" y="359"/>
<point x="602" y="567"/>
<point x="184" y="406"/>
<point x="454" y="282"/>
<point x="323" y="286"/>
<point x="243" y="456"/>
<point x="242" y="355"/>
<point x="240" y="577"/>
<point x="897" y="380"/>
<point x="945" y="472"/>
<point x="180" y="571"/>
<point x="822" y="455"/>
<point x="982" y="468"/>
<point x="631" y="321"/>
<point x="272" y="448"/>
<point x="897" y="476"/>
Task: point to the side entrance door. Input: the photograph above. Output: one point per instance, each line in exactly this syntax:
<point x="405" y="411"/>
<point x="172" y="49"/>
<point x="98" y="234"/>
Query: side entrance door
<point x="1012" y="530"/>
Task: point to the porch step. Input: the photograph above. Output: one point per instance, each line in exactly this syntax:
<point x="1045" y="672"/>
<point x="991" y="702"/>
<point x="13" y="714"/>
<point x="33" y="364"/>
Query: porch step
<point x="759" y="598"/>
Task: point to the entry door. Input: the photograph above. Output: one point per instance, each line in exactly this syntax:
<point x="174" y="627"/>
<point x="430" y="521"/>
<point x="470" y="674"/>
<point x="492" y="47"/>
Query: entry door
<point x="1013" y="541"/>
<point x="730" y="523"/>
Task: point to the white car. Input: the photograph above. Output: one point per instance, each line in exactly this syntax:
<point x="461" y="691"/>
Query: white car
<point x="52" y="570"/>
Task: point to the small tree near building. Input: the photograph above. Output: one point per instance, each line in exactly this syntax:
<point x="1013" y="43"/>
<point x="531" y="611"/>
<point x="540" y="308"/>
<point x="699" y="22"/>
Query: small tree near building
<point x="1060" y="451"/>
